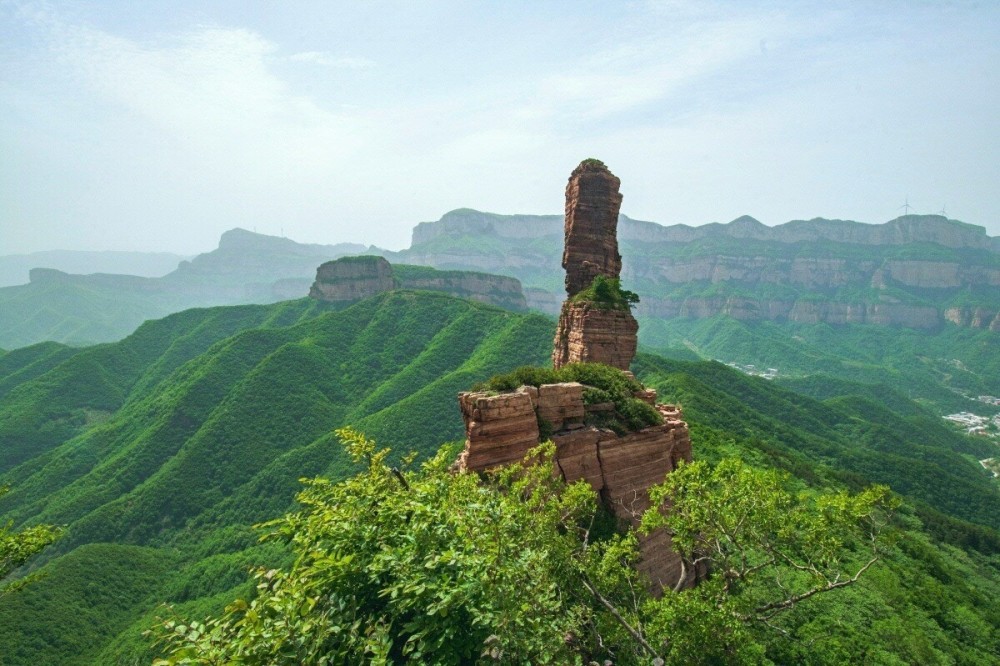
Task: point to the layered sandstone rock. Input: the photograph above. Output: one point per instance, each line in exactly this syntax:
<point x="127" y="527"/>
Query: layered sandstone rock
<point x="588" y="334"/>
<point x="974" y="317"/>
<point x="561" y="405"/>
<point x="501" y="429"/>
<point x="589" y="331"/>
<point x="597" y="327"/>
<point x="591" y="226"/>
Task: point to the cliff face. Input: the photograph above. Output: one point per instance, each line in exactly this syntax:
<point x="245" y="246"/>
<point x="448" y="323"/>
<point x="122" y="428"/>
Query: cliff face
<point x="904" y="230"/>
<point x="356" y="278"/>
<point x="352" y="279"/>
<point x="591" y="231"/>
<point x="914" y="271"/>
<point x="501" y="429"/>
<point x="588" y="334"/>
<point x="815" y="272"/>
<point x="495" y="289"/>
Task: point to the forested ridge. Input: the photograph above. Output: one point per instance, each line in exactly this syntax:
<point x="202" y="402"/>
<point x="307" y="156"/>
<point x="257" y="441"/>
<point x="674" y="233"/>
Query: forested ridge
<point x="160" y="451"/>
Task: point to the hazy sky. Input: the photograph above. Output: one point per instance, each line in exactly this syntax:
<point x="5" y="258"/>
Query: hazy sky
<point x="159" y="125"/>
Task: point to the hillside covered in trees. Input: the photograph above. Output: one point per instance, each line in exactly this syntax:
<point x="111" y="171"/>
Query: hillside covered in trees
<point x="160" y="451"/>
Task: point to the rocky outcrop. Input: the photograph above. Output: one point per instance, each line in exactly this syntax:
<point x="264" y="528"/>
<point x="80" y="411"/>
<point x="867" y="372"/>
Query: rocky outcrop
<point x="595" y="326"/>
<point x="499" y="429"/>
<point x="502" y="429"/>
<point x="591" y="226"/>
<point x="588" y="334"/>
<point x="354" y="278"/>
<point x="589" y="331"/>
<point x="974" y="317"/>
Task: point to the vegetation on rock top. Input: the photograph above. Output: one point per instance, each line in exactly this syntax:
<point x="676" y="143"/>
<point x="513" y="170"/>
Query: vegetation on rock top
<point x="602" y="383"/>
<point x="607" y="294"/>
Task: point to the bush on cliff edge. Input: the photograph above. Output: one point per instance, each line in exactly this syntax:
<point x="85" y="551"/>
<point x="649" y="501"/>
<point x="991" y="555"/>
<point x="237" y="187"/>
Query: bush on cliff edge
<point x="602" y="384"/>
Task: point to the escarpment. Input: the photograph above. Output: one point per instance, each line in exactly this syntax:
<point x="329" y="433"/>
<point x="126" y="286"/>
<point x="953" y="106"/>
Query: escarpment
<point x="355" y="278"/>
<point x="917" y="271"/>
<point x="620" y="456"/>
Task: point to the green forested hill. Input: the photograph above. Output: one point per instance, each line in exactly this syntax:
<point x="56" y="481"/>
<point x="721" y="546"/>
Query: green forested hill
<point x="941" y="370"/>
<point x="159" y="451"/>
<point x="200" y="424"/>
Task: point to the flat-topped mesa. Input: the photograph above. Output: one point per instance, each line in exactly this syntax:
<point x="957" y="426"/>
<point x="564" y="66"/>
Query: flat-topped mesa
<point x="352" y="279"/>
<point x="591" y="226"/>
<point x="596" y="323"/>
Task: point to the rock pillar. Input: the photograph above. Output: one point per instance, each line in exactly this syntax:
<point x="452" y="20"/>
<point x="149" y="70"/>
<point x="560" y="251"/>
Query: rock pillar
<point x="589" y="330"/>
<point x="591" y="226"/>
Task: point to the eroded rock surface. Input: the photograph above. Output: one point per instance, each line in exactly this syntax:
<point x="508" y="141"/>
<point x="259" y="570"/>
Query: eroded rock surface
<point x="501" y="429"/>
<point x="355" y="278"/>
<point x="591" y="226"/>
<point x="352" y="279"/>
<point x="589" y="334"/>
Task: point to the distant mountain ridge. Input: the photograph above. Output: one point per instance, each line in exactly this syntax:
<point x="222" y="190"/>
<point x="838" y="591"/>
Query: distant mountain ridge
<point x="917" y="271"/>
<point x="902" y="230"/>
<point x="102" y="307"/>
<point x="14" y="268"/>
<point x="245" y="268"/>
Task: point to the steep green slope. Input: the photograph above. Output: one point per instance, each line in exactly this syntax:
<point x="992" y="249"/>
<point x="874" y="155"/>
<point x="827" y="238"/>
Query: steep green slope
<point x="854" y="439"/>
<point x="21" y="365"/>
<point x="87" y="597"/>
<point x="202" y="423"/>
<point x="208" y="430"/>
<point x="942" y="369"/>
<point x="51" y="393"/>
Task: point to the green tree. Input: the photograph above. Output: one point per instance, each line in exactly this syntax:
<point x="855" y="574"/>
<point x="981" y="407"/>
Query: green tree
<point x="429" y="566"/>
<point x="16" y="548"/>
<point x="766" y="549"/>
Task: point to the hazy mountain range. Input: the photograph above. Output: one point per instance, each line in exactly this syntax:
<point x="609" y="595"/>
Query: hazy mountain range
<point x="915" y="271"/>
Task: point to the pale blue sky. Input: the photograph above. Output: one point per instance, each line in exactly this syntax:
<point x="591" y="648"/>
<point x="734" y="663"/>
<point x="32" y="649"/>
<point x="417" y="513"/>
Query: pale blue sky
<point x="157" y="126"/>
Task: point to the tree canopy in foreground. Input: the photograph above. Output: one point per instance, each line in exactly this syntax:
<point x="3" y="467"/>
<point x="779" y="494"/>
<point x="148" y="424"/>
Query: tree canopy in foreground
<point x="17" y="547"/>
<point x="430" y="566"/>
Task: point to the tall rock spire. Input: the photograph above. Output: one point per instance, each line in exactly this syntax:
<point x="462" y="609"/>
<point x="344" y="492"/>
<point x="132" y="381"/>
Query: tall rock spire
<point x="591" y="226"/>
<point x="596" y="326"/>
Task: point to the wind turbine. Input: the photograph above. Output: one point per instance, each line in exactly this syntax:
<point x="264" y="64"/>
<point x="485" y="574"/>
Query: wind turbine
<point x="906" y="207"/>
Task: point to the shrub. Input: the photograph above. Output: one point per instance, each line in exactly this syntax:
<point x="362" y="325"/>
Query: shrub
<point x="607" y="294"/>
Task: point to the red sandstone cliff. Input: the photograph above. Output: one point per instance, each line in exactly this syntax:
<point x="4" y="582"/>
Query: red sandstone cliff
<point x="501" y="429"/>
<point x="591" y="226"/>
